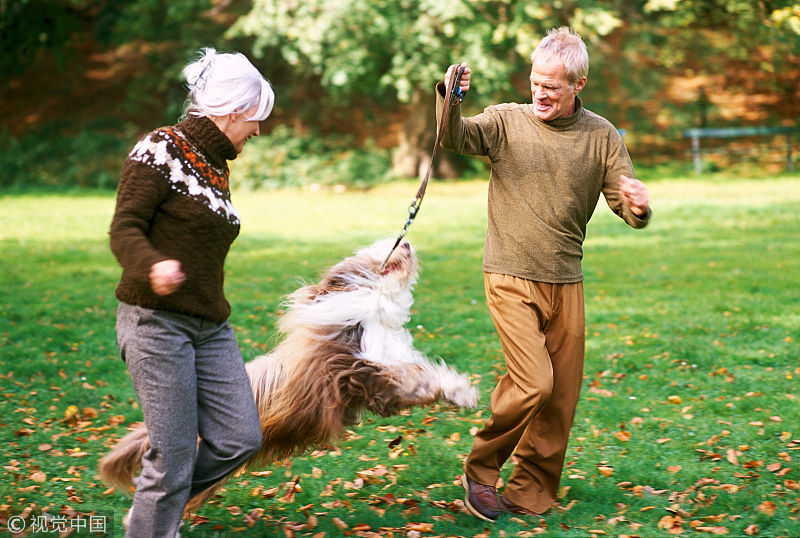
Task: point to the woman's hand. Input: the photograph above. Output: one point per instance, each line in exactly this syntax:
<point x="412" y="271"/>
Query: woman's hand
<point x="166" y="277"/>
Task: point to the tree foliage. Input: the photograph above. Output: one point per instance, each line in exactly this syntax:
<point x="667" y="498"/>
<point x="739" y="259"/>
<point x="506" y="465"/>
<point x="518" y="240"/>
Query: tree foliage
<point x="396" y="51"/>
<point x="390" y="49"/>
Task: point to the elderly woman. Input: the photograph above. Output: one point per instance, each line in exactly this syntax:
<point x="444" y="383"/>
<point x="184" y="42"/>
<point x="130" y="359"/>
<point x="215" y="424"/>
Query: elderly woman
<point x="172" y="228"/>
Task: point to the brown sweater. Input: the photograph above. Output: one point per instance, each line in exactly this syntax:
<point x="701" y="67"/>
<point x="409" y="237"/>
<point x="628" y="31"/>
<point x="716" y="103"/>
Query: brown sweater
<point x="545" y="182"/>
<point x="173" y="202"/>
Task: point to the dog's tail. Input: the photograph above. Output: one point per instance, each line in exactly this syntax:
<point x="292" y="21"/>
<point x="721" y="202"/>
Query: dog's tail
<point x="118" y="467"/>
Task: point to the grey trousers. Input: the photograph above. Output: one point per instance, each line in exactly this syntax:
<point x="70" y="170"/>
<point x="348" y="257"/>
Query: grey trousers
<point x="190" y="380"/>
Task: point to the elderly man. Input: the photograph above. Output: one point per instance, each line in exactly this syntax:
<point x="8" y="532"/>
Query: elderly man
<point x="550" y="160"/>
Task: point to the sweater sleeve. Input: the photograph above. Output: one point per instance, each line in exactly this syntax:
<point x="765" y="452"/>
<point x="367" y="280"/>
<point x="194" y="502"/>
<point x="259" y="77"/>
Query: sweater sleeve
<point x="618" y="163"/>
<point x="478" y="135"/>
<point x="141" y="190"/>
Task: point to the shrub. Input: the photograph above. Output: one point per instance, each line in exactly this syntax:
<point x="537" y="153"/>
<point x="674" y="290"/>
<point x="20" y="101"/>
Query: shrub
<point x="54" y="158"/>
<point x="285" y="158"/>
<point x="92" y="157"/>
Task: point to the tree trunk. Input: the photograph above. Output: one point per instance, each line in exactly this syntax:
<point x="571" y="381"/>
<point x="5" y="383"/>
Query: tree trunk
<point x="413" y="153"/>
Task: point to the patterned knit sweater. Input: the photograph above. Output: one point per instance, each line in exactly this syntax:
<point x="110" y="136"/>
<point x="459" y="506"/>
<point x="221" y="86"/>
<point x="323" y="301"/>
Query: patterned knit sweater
<point x="173" y="202"/>
<point x="546" y="179"/>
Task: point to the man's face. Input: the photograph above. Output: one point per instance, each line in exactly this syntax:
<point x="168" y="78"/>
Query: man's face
<point x="553" y="96"/>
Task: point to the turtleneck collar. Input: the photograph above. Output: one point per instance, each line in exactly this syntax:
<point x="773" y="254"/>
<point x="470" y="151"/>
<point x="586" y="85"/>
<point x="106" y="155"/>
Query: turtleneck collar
<point x="213" y="143"/>
<point x="564" y="121"/>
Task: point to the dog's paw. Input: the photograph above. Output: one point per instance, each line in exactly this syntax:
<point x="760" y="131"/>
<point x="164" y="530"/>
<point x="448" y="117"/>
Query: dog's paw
<point x="462" y="396"/>
<point x="455" y="387"/>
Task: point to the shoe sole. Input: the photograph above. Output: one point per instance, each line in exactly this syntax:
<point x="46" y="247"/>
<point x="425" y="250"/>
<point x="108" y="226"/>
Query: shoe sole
<point x="472" y="509"/>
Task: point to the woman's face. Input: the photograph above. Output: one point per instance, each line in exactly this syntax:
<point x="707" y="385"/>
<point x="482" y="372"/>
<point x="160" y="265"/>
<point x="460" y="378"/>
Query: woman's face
<point x="239" y="130"/>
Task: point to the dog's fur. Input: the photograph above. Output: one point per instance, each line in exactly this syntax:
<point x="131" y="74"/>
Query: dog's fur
<point x="344" y="350"/>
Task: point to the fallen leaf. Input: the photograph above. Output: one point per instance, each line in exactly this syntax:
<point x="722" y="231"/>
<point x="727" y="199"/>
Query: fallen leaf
<point x="270" y="492"/>
<point x="38" y="476"/>
<point x="261" y="473"/>
<point x="70" y="411"/>
<point x="713" y="530"/>
<point x="767" y="508"/>
<point x="602" y="392"/>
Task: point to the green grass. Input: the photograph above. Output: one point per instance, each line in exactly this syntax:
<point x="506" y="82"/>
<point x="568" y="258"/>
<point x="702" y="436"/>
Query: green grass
<point x="690" y="399"/>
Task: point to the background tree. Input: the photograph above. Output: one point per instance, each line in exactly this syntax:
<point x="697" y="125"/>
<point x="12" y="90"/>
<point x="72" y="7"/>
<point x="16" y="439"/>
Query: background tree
<point x="102" y="59"/>
<point x="111" y="68"/>
<point x="364" y="52"/>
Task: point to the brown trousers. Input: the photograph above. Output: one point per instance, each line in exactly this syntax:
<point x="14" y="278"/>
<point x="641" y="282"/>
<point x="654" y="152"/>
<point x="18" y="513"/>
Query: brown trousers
<point x="541" y="328"/>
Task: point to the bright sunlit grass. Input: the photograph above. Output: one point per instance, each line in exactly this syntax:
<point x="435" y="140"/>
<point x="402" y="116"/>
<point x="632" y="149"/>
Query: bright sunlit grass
<point x="689" y="417"/>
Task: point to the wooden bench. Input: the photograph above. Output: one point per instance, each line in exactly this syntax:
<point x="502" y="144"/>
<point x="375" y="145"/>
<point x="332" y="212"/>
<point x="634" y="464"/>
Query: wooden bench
<point x="737" y="132"/>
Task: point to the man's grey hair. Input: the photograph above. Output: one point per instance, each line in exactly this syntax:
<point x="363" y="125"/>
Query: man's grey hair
<point x="565" y="44"/>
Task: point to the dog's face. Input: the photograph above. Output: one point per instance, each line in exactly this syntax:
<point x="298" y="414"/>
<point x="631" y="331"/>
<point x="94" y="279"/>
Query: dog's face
<point x="358" y="291"/>
<point x="401" y="268"/>
<point x="363" y="270"/>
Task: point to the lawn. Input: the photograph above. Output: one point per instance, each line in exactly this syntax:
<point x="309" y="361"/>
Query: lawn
<point x="689" y="421"/>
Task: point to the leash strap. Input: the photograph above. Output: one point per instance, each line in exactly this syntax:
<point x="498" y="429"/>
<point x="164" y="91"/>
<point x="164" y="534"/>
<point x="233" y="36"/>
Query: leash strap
<point x="453" y="93"/>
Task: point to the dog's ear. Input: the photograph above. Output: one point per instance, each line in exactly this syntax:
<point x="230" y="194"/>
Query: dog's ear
<point x="306" y="294"/>
<point x="332" y="283"/>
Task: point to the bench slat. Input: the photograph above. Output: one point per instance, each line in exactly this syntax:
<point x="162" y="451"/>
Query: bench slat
<point x="733" y="132"/>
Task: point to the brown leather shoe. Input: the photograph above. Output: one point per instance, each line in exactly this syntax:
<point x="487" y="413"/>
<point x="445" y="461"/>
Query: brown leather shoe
<point x="508" y="506"/>
<point x="481" y="500"/>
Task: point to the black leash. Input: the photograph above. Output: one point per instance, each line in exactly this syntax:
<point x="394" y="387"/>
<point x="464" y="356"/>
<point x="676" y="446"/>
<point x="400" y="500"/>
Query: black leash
<point x="453" y="93"/>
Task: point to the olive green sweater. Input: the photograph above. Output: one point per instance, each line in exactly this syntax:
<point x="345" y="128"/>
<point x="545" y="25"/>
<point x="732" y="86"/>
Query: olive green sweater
<point x="546" y="179"/>
<point x="173" y="202"/>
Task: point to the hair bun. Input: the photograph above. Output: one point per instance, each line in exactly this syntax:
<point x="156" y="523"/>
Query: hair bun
<point x="197" y="72"/>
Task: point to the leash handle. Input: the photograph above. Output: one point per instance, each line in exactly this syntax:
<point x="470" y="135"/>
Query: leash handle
<point x="453" y="93"/>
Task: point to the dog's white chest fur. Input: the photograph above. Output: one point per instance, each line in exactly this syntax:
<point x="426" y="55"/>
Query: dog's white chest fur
<point x="385" y="339"/>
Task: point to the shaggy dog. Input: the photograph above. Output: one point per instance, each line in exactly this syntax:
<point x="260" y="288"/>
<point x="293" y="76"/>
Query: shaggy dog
<point x="344" y="350"/>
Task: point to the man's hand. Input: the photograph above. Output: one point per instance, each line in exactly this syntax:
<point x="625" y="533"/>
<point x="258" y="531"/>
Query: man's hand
<point x="634" y="194"/>
<point x="464" y="82"/>
<point x="166" y="277"/>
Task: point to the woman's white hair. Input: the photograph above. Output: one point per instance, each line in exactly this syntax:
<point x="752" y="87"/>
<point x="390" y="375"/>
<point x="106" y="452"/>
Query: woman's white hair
<point x="565" y="44"/>
<point x="226" y="83"/>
